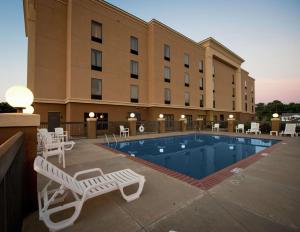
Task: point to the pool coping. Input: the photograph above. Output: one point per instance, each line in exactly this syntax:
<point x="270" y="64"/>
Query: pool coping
<point x="207" y="182"/>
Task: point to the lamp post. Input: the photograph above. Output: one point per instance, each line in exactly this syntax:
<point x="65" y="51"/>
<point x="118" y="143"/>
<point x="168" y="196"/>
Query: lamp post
<point x="231" y="123"/>
<point x="161" y="122"/>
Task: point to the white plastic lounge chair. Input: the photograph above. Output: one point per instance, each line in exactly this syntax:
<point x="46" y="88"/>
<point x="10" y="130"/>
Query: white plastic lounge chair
<point x="124" y="131"/>
<point x="82" y="190"/>
<point x="239" y="128"/>
<point x="51" y="148"/>
<point x="254" y="128"/>
<point x="290" y="129"/>
<point x="215" y="127"/>
<point x="61" y="134"/>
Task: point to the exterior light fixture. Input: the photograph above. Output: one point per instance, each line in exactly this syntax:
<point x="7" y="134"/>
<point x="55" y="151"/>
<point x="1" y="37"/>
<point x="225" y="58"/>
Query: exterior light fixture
<point x="275" y="115"/>
<point x="101" y="116"/>
<point x="161" y="116"/>
<point x="28" y="110"/>
<point x="19" y="97"/>
<point x="182" y="116"/>
<point x="132" y="115"/>
<point x="91" y="114"/>
<point x="231" y="116"/>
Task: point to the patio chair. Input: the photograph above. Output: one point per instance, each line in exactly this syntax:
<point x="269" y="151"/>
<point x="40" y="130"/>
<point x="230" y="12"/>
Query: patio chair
<point x="254" y="128"/>
<point x="60" y="133"/>
<point x="82" y="190"/>
<point x="53" y="148"/>
<point x="215" y="127"/>
<point x="290" y="129"/>
<point x="240" y="128"/>
<point x="124" y="131"/>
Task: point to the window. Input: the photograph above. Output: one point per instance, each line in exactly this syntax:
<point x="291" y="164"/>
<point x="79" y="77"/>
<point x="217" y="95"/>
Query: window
<point x="167" y="52"/>
<point x="96" y="89"/>
<point x="96" y="32"/>
<point x="201" y="84"/>
<point x="233" y="92"/>
<point x="134" y="45"/>
<point x="245" y="84"/>
<point x="252" y="99"/>
<point x="134" y="69"/>
<point x="213" y="71"/>
<point x="186" y="60"/>
<point x="233" y="79"/>
<point x="134" y="93"/>
<point x="214" y="100"/>
<point x="102" y="120"/>
<point x="233" y="105"/>
<point x="201" y="100"/>
<point x="246" y="107"/>
<point x="252" y="89"/>
<point x="186" y="80"/>
<point x="246" y="97"/>
<point x="252" y="108"/>
<point x="167" y="74"/>
<point x="201" y="66"/>
<point x="167" y="96"/>
<point x="186" y="98"/>
<point x="96" y="60"/>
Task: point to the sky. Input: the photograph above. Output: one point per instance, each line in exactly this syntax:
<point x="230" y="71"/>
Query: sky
<point x="265" y="33"/>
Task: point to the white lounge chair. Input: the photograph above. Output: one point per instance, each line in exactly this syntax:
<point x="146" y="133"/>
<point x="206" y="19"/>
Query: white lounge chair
<point x="124" y="131"/>
<point x="61" y="134"/>
<point x="215" y="127"/>
<point x="290" y="129"/>
<point x="239" y="128"/>
<point x="82" y="190"/>
<point x="254" y="128"/>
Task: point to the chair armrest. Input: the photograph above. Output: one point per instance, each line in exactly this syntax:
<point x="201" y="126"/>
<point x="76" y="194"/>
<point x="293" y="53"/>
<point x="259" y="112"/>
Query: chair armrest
<point x="87" y="171"/>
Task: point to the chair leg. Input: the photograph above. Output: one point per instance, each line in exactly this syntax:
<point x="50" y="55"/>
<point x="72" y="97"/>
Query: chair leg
<point x="135" y="195"/>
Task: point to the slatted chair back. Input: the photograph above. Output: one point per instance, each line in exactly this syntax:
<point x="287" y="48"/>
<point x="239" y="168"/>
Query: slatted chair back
<point x="122" y="128"/>
<point x="59" y="131"/>
<point x="290" y="128"/>
<point x="50" y="171"/>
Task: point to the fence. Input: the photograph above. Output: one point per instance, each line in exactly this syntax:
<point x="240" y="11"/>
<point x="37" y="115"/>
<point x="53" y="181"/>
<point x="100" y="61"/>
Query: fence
<point x="79" y="129"/>
<point x="11" y="183"/>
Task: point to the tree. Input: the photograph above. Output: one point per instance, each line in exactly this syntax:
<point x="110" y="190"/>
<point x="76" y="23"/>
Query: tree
<point x="6" y="108"/>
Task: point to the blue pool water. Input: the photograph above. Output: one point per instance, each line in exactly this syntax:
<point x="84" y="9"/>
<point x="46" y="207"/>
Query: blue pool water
<point x="195" y="155"/>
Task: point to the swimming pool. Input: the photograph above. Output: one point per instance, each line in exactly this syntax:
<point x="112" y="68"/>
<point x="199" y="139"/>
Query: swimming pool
<point x="194" y="155"/>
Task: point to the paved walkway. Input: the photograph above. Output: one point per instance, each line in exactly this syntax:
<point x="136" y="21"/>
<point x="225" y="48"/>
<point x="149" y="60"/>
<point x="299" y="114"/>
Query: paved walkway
<point x="263" y="197"/>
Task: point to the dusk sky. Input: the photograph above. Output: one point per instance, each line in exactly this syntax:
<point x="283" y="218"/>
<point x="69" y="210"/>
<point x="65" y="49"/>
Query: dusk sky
<point x="265" y="33"/>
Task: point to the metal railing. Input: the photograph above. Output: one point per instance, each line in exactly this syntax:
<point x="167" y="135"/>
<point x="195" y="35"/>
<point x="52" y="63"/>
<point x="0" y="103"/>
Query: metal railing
<point x="11" y="183"/>
<point x="149" y="127"/>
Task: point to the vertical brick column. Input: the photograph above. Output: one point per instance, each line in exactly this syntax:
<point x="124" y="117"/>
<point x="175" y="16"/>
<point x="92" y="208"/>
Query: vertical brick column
<point x="132" y="126"/>
<point x="275" y="124"/>
<point x="162" y="125"/>
<point x="10" y="124"/>
<point x="199" y="123"/>
<point x="231" y="124"/>
<point x="91" y="128"/>
<point x="183" y="123"/>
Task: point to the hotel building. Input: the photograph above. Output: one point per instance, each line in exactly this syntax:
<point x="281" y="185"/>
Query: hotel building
<point x="88" y="55"/>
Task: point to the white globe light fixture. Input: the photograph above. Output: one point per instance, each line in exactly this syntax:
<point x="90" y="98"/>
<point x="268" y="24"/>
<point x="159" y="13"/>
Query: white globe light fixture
<point x="19" y="97"/>
<point x="182" y="116"/>
<point x="28" y="110"/>
<point x="132" y="115"/>
<point x="91" y="114"/>
<point x="161" y="116"/>
<point x="231" y="116"/>
<point x="275" y="115"/>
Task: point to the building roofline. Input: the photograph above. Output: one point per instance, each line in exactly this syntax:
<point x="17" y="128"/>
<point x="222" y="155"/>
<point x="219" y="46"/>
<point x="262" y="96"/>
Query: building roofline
<point x="224" y="47"/>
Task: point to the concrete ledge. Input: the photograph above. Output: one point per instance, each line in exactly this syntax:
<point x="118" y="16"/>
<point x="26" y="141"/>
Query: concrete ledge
<point x="19" y="120"/>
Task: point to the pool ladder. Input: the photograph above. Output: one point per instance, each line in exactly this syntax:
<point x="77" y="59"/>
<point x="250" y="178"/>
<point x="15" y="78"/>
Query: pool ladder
<point x="107" y="139"/>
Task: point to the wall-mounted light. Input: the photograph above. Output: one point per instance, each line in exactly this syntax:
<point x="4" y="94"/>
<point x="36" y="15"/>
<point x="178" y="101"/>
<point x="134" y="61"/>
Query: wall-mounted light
<point x="19" y="97"/>
<point x="182" y="116"/>
<point x="91" y="114"/>
<point x="275" y="115"/>
<point x="132" y="115"/>
<point x="101" y="116"/>
<point x="161" y="116"/>
<point x="28" y="110"/>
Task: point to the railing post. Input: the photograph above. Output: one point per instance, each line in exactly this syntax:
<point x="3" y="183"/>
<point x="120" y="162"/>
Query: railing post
<point x="132" y="126"/>
<point x="231" y="124"/>
<point x="10" y="124"/>
<point x="275" y="124"/>
<point x="91" y="128"/>
<point x="162" y="125"/>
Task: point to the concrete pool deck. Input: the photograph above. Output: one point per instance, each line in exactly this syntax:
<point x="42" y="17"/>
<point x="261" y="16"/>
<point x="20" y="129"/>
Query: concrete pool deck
<point x="263" y="197"/>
